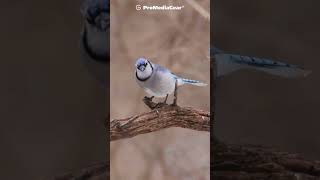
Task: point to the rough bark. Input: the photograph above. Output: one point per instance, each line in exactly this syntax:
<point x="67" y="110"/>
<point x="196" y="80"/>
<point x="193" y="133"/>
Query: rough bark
<point x="246" y="162"/>
<point x="162" y="116"/>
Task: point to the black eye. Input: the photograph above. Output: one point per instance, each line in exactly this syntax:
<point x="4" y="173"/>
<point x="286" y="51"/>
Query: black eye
<point x="145" y="64"/>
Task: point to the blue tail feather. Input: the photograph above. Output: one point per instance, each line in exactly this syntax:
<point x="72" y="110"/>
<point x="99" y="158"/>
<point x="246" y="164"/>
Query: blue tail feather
<point x="190" y="81"/>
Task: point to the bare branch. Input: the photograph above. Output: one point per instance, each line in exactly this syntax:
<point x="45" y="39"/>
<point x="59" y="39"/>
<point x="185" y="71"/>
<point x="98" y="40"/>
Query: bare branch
<point x="259" y="162"/>
<point x="162" y="116"/>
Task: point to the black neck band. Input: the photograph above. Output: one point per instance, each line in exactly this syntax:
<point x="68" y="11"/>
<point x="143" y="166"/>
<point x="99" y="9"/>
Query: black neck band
<point x="144" y="79"/>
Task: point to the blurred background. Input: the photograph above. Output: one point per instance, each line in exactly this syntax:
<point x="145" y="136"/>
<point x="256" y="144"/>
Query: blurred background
<point x="257" y="108"/>
<point x="51" y="109"/>
<point x="178" y="40"/>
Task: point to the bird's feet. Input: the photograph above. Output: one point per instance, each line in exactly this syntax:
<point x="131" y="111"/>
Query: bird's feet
<point x="153" y="105"/>
<point x="161" y="104"/>
<point x="148" y="101"/>
<point x="148" y="98"/>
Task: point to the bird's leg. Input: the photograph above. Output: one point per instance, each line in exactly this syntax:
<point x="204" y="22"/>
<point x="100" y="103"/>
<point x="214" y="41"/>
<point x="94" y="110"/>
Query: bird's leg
<point x="175" y="93"/>
<point x="165" y="101"/>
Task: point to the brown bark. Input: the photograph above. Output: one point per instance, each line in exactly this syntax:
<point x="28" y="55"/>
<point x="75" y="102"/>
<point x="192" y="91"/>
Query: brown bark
<point x="162" y="116"/>
<point x="246" y="162"/>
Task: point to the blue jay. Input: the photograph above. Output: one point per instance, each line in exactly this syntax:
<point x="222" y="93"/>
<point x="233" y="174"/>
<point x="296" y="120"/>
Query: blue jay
<point x="95" y="37"/>
<point x="228" y="63"/>
<point x="159" y="81"/>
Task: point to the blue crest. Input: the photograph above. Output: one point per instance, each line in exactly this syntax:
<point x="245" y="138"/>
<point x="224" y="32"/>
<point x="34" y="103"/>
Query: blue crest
<point x="141" y="61"/>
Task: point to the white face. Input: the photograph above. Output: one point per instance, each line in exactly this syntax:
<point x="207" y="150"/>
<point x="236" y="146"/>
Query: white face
<point x="143" y="68"/>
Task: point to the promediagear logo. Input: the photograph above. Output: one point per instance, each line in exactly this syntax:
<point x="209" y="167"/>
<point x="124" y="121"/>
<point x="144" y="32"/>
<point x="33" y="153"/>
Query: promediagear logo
<point x="138" y="7"/>
<point x="157" y="7"/>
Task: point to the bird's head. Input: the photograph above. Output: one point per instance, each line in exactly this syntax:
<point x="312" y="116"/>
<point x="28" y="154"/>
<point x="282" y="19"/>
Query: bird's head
<point x="96" y="13"/>
<point x="142" y="64"/>
<point x="144" y="68"/>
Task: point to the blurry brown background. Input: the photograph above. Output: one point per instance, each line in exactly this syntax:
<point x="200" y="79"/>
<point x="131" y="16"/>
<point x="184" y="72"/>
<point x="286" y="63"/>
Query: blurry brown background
<point x="51" y="109"/>
<point x="178" y="40"/>
<point x="261" y="109"/>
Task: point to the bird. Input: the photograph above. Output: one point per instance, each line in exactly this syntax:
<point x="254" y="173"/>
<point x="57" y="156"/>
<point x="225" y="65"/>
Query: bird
<point x="227" y="63"/>
<point x="94" y="40"/>
<point x="159" y="81"/>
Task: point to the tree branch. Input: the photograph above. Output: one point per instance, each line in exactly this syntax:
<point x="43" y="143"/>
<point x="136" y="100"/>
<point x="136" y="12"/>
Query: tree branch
<point x="243" y="162"/>
<point x="162" y="116"/>
<point x="258" y="162"/>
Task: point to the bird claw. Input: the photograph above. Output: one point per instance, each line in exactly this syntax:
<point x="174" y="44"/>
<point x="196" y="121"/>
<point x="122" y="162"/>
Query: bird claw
<point x="148" y="98"/>
<point x="160" y="105"/>
<point x="148" y="101"/>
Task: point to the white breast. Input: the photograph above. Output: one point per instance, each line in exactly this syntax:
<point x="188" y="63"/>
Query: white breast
<point x="159" y="84"/>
